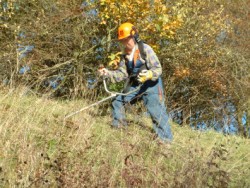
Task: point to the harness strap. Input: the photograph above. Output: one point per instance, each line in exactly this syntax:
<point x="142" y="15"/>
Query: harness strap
<point x="134" y="33"/>
<point x="136" y="56"/>
<point x="142" y="51"/>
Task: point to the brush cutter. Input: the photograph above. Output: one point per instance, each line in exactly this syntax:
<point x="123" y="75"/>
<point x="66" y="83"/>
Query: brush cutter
<point x="112" y="95"/>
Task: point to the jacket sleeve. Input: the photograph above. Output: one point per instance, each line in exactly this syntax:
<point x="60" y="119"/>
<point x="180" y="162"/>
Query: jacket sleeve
<point x="153" y="62"/>
<point x="120" y="74"/>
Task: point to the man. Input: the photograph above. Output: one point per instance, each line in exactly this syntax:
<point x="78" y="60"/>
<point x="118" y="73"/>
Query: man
<point x="141" y="66"/>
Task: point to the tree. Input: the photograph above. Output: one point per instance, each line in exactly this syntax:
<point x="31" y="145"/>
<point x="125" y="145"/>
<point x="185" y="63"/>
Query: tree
<point x="203" y="47"/>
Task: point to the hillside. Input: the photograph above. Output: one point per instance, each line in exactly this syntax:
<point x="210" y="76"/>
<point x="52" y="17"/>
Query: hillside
<point x="37" y="149"/>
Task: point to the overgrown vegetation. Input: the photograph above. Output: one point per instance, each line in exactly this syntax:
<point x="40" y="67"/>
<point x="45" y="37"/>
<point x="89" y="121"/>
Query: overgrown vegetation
<point x="39" y="150"/>
<point x="53" y="46"/>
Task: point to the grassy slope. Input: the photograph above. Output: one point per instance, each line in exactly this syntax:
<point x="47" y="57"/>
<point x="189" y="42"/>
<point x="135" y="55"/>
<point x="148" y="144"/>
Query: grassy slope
<point x="37" y="149"/>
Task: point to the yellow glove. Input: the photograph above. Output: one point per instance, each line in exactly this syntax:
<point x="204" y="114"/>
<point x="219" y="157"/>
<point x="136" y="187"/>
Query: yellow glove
<point x="145" y="75"/>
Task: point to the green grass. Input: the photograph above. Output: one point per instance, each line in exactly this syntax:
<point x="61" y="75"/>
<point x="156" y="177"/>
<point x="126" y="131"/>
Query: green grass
<point x="39" y="149"/>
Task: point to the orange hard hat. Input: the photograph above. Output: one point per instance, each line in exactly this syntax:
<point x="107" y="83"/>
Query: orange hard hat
<point x="124" y="30"/>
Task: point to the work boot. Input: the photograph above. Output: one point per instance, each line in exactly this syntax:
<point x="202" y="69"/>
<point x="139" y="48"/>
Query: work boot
<point x="162" y="142"/>
<point x="122" y="125"/>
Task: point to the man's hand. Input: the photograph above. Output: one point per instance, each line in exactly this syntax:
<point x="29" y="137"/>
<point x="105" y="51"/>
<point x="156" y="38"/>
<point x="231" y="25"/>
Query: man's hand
<point x="103" y="72"/>
<point x="145" y="75"/>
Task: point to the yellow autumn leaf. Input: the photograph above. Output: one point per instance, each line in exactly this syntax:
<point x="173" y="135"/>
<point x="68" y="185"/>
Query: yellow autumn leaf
<point x="166" y="27"/>
<point x="171" y="32"/>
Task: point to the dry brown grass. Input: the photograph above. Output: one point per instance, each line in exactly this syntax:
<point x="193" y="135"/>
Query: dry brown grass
<point x="38" y="150"/>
